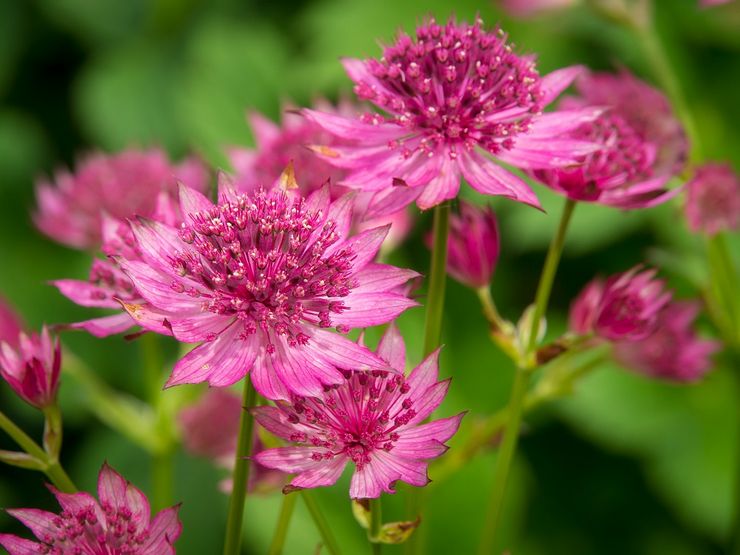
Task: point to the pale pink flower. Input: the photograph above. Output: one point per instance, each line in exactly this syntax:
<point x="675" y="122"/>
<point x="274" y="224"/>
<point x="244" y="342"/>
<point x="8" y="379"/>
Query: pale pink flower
<point x="372" y="419"/>
<point x="710" y="3"/>
<point x="10" y="324"/>
<point x="120" y="523"/>
<point x="71" y="208"/>
<point x="673" y="351"/>
<point x="458" y="100"/>
<point x="642" y="145"/>
<point x="472" y="245"/>
<point x="624" y="307"/>
<point x="713" y="199"/>
<point x="530" y="8"/>
<point x="259" y="279"/>
<point x="32" y="368"/>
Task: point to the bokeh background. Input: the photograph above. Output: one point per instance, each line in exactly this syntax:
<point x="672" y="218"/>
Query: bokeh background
<point x="625" y="466"/>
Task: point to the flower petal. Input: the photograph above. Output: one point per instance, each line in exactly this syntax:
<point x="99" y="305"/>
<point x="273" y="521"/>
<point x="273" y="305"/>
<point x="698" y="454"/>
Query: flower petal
<point x="163" y="532"/>
<point x="85" y="293"/>
<point x="443" y="187"/>
<point x="371" y="309"/>
<point x="322" y="473"/>
<point x="343" y="353"/>
<point x="557" y="81"/>
<point x="105" y="326"/>
<point x="354" y="128"/>
<point x="487" y="177"/>
<point x="20" y="546"/>
<point x="392" y="348"/>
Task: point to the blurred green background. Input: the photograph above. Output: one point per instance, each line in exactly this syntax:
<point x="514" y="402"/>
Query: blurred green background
<point x="627" y="466"/>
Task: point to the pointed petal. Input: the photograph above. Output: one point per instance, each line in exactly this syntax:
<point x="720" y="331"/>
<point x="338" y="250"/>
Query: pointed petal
<point x="85" y="293"/>
<point x="163" y="532"/>
<point x="443" y="187"/>
<point x="105" y="326"/>
<point x="381" y="277"/>
<point x="20" y="546"/>
<point x="322" y="473"/>
<point x="429" y="401"/>
<point x="265" y="131"/>
<point x="487" y="177"/>
<point x="548" y="125"/>
<point x="275" y="421"/>
<point x="438" y="431"/>
<point x="192" y="202"/>
<point x="371" y="309"/>
<point x="156" y="287"/>
<point x="343" y="353"/>
<point x="157" y="242"/>
<point x="41" y="523"/>
<point x="390" y="200"/>
<point x="265" y="378"/>
<point x="354" y="128"/>
<point x="287" y="459"/>
<point x="365" y="245"/>
<point x="557" y="81"/>
<point x="392" y="348"/>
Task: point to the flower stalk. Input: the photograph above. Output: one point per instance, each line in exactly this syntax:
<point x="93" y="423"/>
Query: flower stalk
<point x="321" y="523"/>
<point x="232" y="544"/>
<point x="376" y="521"/>
<point x="437" y="279"/>
<point x="281" y="530"/>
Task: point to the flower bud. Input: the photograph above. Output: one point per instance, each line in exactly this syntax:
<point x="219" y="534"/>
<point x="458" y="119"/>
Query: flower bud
<point x="713" y="199"/>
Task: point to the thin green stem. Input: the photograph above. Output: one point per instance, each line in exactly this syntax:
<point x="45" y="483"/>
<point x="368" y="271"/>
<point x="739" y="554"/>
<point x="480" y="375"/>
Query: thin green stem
<point x="60" y="478"/>
<point x="281" y="530"/>
<point x="234" y="522"/>
<point x="542" y="298"/>
<point x="376" y="521"/>
<point x="322" y="525"/>
<point x="437" y="279"/>
<point x="489" y="307"/>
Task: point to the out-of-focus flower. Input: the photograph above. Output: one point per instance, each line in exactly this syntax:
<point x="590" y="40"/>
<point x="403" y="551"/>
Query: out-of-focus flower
<point x="120" y="523"/>
<point x="624" y="307"/>
<point x="279" y="146"/>
<point x="672" y="351"/>
<point x="472" y="245"/>
<point x="10" y="324"/>
<point x="713" y="199"/>
<point x="210" y="428"/>
<point x="71" y="208"/>
<point x="643" y="145"/>
<point x="456" y="95"/>
<point x="258" y="279"/>
<point x="373" y="419"/>
<point x="32" y="368"/>
<point x="531" y="8"/>
<point x="710" y="3"/>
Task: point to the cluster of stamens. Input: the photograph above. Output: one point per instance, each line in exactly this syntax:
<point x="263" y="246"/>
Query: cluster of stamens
<point x="354" y="418"/>
<point x="109" y="278"/>
<point x="80" y="531"/>
<point x="449" y="84"/>
<point x="265" y="260"/>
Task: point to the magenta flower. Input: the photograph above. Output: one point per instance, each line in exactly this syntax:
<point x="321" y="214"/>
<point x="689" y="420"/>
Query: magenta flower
<point x="455" y="96"/>
<point x="672" y="351"/>
<point x="278" y="146"/>
<point x="625" y="307"/>
<point x="259" y="279"/>
<point x="10" y="324"/>
<point x="710" y="3"/>
<point x="530" y="8"/>
<point x="643" y="145"/>
<point x="32" y="369"/>
<point x="713" y="199"/>
<point x="371" y="419"/>
<point x="119" y="524"/>
<point x="472" y="246"/>
<point x="121" y="185"/>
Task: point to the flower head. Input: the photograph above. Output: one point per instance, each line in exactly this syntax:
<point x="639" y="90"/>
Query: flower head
<point x="713" y="199"/>
<point x="672" y="351"/>
<point x="32" y="369"/>
<point x="118" y="524"/>
<point x="624" y="307"/>
<point x="372" y="419"/>
<point x="455" y="95"/>
<point x="10" y="324"/>
<point x="258" y="279"/>
<point x="70" y="209"/>
<point x="642" y="145"/>
<point x="472" y="245"/>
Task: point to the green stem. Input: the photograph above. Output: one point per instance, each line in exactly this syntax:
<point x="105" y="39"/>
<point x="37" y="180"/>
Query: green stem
<point x="281" y="531"/>
<point x="234" y="522"/>
<point x="723" y="280"/>
<point x="489" y="307"/>
<point x="321" y="523"/>
<point x="437" y="279"/>
<point x="53" y="469"/>
<point x="376" y="521"/>
<point x="548" y="275"/>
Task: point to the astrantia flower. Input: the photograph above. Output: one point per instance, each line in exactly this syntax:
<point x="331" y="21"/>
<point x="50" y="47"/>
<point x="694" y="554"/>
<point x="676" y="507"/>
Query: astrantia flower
<point x="713" y="199"/>
<point x="119" y="524"/>
<point x="10" y="324"/>
<point x="642" y="145"/>
<point x="672" y="351"/>
<point x="455" y="96"/>
<point x="278" y="146"/>
<point x="624" y="307"/>
<point x="32" y="368"/>
<point x="70" y="209"/>
<point x="372" y="419"/>
<point x="473" y="245"/>
<point x="530" y="8"/>
<point x="258" y="279"/>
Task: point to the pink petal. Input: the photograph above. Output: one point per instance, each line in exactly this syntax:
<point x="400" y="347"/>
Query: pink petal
<point x="192" y="202"/>
<point x="439" y="430"/>
<point x="85" y="293"/>
<point x="443" y="187"/>
<point x="157" y="242"/>
<point x="163" y="532"/>
<point x="429" y="401"/>
<point x="265" y="378"/>
<point x="19" y="546"/>
<point x="343" y="353"/>
<point x="392" y="348"/>
<point x="191" y="328"/>
<point x="489" y="178"/>
<point x="365" y="245"/>
<point x="354" y="128"/>
<point x="371" y="309"/>
<point x="105" y="326"/>
<point x="264" y="130"/>
<point x="322" y="473"/>
<point x="557" y="81"/>
<point x="155" y="286"/>
<point x="287" y="459"/>
<point x="424" y="375"/>
<point x="41" y="523"/>
<point x="275" y="421"/>
<point x="111" y="487"/>
<point x="555" y="123"/>
<point x="390" y="200"/>
<point x="148" y="317"/>
<point x="381" y="277"/>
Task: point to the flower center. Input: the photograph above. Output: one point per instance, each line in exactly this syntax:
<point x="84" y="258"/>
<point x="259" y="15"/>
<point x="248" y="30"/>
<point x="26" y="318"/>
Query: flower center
<point x="456" y="85"/>
<point x="268" y="261"/>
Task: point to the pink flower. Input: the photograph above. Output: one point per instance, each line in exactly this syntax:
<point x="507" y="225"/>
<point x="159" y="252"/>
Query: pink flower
<point x="625" y="307"/>
<point x="10" y="324"/>
<point x="713" y="199"/>
<point x="258" y="279"/>
<point x="455" y="96"/>
<point x="32" y="369"/>
<point x="121" y="185"/>
<point x="672" y="351"/>
<point x="372" y="419"/>
<point x="120" y="523"/>
<point x="710" y="3"/>
<point x="643" y="145"/>
<point x="210" y="428"/>
<point x="278" y="146"/>
<point x="473" y="245"/>
<point x="530" y="8"/>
